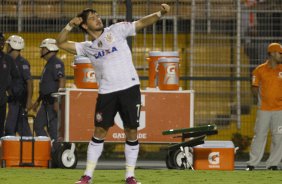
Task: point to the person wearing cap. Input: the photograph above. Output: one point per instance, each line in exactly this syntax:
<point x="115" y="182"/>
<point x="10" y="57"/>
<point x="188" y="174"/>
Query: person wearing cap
<point x="52" y="79"/>
<point x="20" y="95"/>
<point x="267" y="87"/>
<point x="119" y="85"/>
<point x="8" y="71"/>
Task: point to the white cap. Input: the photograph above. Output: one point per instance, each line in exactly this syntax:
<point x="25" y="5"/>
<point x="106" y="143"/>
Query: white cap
<point x="50" y="44"/>
<point x="16" y="42"/>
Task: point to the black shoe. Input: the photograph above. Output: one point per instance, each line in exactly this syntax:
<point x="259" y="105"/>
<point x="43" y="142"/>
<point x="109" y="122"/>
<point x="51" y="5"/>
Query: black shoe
<point x="249" y="168"/>
<point x="273" y="168"/>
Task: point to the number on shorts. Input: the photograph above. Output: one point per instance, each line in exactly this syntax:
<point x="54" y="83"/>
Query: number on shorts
<point x="138" y="110"/>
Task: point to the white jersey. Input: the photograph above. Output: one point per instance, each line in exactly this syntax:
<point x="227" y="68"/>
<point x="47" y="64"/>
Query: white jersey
<point x="111" y="57"/>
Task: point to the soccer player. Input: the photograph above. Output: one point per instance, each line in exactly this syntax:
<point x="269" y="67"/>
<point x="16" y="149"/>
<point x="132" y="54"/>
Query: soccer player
<point x="119" y="86"/>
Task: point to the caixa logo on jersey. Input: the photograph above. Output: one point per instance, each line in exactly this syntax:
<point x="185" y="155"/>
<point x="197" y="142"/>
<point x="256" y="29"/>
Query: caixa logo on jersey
<point x="105" y="52"/>
<point x="142" y="122"/>
<point x="89" y="75"/>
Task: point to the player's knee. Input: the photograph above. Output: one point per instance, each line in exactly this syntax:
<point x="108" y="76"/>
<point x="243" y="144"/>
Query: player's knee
<point x="131" y="134"/>
<point x="100" y="132"/>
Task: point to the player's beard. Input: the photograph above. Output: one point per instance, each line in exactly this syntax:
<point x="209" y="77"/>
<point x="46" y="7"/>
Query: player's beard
<point x="99" y="29"/>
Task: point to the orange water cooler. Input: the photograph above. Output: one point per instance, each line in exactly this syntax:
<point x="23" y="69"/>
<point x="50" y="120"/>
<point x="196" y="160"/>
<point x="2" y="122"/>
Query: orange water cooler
<point x="84" y="73"/>
<point x="168" y="73"/>
<point x="153" y="58"/>
<point x="26" y="151"/>
<point x="214" y="155"/>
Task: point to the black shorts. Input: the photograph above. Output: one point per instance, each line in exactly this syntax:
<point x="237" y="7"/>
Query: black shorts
<point x="126" y="102"/>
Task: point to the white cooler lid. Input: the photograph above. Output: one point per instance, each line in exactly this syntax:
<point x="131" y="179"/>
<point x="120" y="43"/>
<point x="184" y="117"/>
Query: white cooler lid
<point x="11" y="138"/>
<point x="164" y="53"/>
<point x="168" y="60"/>
<point x="17" y="138"/>
<point x="81" y="60"/>
<point x="216" y="144"/>
<point x="42" y="138"/>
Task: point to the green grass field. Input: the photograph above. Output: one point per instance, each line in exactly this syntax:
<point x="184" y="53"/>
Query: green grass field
<point x="63" y="176"/>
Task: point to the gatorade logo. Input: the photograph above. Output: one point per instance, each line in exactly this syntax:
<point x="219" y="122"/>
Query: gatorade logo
<point x="171" y="76"/>
<point x="142" y="119"/>
<point x="280" y="74"/>
<point x="213" y="158"/>
<point x="171" y="70"/>
<point x="89" y="75"/>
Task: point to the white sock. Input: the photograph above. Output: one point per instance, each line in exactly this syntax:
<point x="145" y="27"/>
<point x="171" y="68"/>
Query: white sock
<point x="131" y="150"/>
<point x="93" y="153"/>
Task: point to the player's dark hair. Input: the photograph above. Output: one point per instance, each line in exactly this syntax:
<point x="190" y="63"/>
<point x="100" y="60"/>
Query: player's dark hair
<point x="84" y="14"/>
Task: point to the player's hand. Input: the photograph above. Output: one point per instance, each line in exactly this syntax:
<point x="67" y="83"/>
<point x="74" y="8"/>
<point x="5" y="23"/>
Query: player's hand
<point x="35" y="106"/>
<point x="56" y="107"/>
<point x="165" y="9"/>
<point x="76" y="21"/>
<point x="29" y="106"/>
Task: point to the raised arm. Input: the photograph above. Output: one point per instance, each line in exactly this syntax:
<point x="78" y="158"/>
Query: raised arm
<point x="62" y="39"/>
<point x="152" y="18"/>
